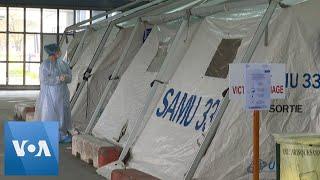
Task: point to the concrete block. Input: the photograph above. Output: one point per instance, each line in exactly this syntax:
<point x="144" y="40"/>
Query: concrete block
<point x="30" y="116"/>
<point x="21" y="109"/>
<point x="130" y="174"/>
<point x="87" y="148"/>
<point x="107" y="155"/>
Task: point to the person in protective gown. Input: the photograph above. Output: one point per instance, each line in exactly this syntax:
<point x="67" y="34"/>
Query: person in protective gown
<point x="53" y="101"/>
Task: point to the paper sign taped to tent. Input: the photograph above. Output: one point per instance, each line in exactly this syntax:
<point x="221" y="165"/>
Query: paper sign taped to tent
<point x="237" y="81"/>
<point x="257" y="86"/>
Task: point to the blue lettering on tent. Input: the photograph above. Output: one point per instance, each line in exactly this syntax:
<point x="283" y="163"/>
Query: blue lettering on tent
<point x="194" y="113"/>
<point x="306" y="80"/>
<point x="181" y="108"/>
<point x="290" y="81"/>
<point x="165" y="102"/>
<point x="172" y="107"/>
<point x="211" y="104"/>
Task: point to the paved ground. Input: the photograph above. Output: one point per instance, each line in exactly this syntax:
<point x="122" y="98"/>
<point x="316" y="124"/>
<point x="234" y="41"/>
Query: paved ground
<point x="70" y="167"/>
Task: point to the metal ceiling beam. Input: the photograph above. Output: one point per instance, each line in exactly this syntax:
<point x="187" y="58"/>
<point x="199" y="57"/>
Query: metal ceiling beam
<point x="122" y="8"/>
<point x="79" y="26"/>
<point x="203" y="11"/>
<point x="68" y="4"/>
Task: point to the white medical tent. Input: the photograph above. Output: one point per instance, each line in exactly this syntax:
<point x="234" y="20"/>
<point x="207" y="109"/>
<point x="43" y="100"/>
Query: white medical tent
<point x="130" y="94"/>
<point x="116" y="52"/>
<point x="294" y="41"/>
<point x="126" y="104"/>
<point x="177" y="125"/>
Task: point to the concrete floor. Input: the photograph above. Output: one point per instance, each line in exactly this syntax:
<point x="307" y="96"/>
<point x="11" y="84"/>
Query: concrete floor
<point x="70" y="168"/>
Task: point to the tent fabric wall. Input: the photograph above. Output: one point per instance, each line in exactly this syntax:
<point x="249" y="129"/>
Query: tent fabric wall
<point x="90" y="45"/>
<point x="128" y="99"/>
<point x="293" y="40"/>
<point x="170" y="139"/>
<point x="73" y="45"/>
<point x="90" y="95"/>
<point x="168" y="144"/>
<point x="133" y="46"/>
<point x="69" y="47"/>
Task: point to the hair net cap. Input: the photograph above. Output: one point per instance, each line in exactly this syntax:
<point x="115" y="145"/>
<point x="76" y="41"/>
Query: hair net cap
<point x="51" y="49"/>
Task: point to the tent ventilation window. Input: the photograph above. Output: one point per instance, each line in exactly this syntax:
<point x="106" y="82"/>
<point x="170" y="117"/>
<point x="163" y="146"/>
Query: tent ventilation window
<point x="158" y="60"/>
<point x="225" y="54"/>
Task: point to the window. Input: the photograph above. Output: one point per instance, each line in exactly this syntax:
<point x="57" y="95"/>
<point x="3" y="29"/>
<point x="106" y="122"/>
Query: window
<point x="15" y="74"/>
<point x="66" y="18"/>
<point x="33" y="47"/>
<point x="3" y="73"/>
<point x="32" y="73"/>
<point x="50" y="17"/>
<point x="3" y="19"/>
<point x="3" y="47"/>
<point x="16" y="47"/>
<point x="158" y="60"/>
<point x="16" y="19"/>
<point x="23" y="34"/>
<point x="82" y="15"/>
<point x="33" y="18"/>
<point x="224" y="55"/>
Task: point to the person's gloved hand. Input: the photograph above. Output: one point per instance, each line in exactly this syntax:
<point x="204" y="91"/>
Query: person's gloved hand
<point x="62" y="77"/>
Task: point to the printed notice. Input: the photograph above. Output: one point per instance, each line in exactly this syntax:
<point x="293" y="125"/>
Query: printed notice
<point x="257" y="86"/>
<point x="278" y="80"/>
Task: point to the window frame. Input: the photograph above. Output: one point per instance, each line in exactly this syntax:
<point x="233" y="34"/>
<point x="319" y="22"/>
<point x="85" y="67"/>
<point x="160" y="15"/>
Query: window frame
<point x="41" y="34"/>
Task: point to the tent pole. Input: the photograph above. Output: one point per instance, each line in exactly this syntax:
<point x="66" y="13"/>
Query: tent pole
<point x="203" y="11"/>
<point x="64" y="35"/>
<point x="105" y="14"/>
<point x="79" y="49"/>
<point x="137" y="12"/>
<point x="166" y="4"/>
<point x="143" y="8"/>
<point x="77" y="25"/>
<point x="115" y="76"/>
<point x="163" y="76"/>
<point x="246" y="59"/>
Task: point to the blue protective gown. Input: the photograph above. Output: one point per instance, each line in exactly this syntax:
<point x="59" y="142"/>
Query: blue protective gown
<point x="53" y="102"/>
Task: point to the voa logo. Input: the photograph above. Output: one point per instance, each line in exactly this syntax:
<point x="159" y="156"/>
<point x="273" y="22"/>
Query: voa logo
<point x="31" y="148"/>
<point x="41" y="148"/>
